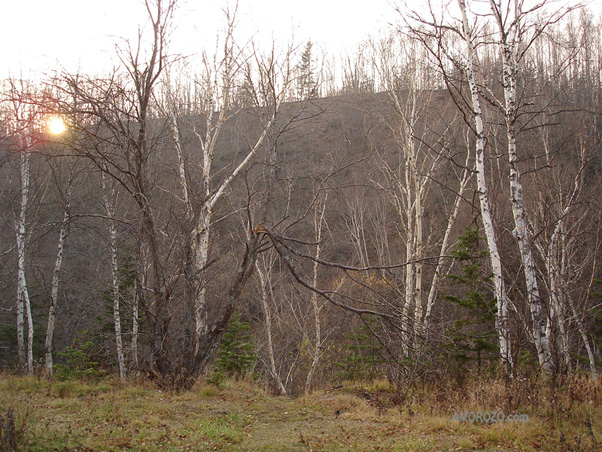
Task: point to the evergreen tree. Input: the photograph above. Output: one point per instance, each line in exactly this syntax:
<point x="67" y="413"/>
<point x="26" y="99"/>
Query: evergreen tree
<point x="473" y="333"/>
<point x="235" y="353"/>
<point x="306" y="84"/>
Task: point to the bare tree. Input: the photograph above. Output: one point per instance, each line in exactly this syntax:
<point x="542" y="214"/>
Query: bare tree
<point x="515" y="35"/>
<point x="109" y="199"/>
<point x="24" y="121"/>
<point x="319" y="225"/>
<point x="449" y="57"/>
<point x="56" y="274"/>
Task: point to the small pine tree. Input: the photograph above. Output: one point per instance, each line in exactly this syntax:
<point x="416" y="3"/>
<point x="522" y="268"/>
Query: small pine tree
<point x="79" y="361"/>
<point x="235" y="352"/>
<point x="305" y="81"/>
<point x="362" y="355"/>
<point x="473" y="333"/>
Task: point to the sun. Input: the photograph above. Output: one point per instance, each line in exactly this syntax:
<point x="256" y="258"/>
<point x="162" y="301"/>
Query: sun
<point x="56" y="125"/>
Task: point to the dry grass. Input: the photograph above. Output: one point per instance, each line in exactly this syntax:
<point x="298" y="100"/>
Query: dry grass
<point x="242" y="416"/>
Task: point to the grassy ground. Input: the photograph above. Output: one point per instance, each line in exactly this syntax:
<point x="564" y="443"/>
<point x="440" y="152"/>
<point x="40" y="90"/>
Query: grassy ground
<point x="241" y="416"/>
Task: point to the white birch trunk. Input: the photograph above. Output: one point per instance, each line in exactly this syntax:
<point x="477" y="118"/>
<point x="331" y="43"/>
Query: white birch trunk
<point x="502" y="321"/>
<point x="584" y="338"/>
<point x="556" y="296"/>
<point x="466" y="175"/>
<point x="109" y="208"/>
<point x="521" y="234"/>
<point x="25" y="350"/>
<point x="418" y="248"/>
<point x="54" y="294"/>
<point x="175" y="133"/>
<point x="134" y="343"/>
<point x="263" y="281"/>
<point x="201" y="233"/>
<point x="200" y="244"/>
<point x="316" y="307"/>
<point x="557" y="269"/>
<point x="409" y="287"/>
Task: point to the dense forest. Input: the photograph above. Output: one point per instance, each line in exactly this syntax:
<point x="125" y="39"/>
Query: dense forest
<point x="429" y="207"/>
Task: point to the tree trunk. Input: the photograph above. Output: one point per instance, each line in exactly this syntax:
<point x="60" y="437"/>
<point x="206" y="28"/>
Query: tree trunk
<point x="316" y="307"/>
<point x="509" y="51"/>
<point x="25" y="351"/>
<point x="135" y="313"/>
<point x="502" y="321"/>
<point x="55" y="284"/>
<point x="466" y="175"/>
<point x="109" y="208"/>
<point x="264" y="281"/>
<point x="200" y="252"/>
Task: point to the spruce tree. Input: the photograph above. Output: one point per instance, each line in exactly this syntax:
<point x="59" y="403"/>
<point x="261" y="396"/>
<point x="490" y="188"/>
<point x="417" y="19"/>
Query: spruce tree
<point x="305" y="81"/>
<point x="472" y="334"/>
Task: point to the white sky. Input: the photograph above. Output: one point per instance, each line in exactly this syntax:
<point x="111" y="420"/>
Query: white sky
<point x="38" y="37"/>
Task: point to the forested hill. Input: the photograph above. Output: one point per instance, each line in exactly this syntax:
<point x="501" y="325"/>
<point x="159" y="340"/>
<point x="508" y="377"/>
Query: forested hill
<point x="449" y="223"/>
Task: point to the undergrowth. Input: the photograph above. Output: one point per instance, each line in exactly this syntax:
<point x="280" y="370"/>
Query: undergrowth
<point x="241" y="415"/>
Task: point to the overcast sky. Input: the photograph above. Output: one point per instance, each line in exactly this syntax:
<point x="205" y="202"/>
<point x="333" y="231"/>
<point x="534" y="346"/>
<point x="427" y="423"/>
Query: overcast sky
<point x="40" y="36"/>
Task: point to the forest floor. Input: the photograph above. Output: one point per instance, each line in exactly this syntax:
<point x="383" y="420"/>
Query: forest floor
<point x="243" y="416"/>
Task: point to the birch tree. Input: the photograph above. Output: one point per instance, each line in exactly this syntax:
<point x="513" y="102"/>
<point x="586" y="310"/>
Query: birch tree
<point x="109" y="199"/>
<point x="437" y="36"/>
<point x="22" y="123"/>
<point x="316" y="305"/>
<point x="494" y="256"/>
<point x="270" y="81"/>
<point x="263" y="267"/>
<point x="56" y="274"/>
<point x="510" y="18"/>
<point x="23" y="303"/>
<point x="411" y="170"/>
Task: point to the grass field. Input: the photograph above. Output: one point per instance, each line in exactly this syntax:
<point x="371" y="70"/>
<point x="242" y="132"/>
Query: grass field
<point x="242" y="416"/>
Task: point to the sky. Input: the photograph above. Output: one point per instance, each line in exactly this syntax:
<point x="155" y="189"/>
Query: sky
<point x="38" y="37"/>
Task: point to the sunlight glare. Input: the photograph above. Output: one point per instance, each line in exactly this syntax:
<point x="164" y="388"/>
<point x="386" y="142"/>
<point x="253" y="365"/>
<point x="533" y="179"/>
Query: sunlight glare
<point x="56" y="125"/>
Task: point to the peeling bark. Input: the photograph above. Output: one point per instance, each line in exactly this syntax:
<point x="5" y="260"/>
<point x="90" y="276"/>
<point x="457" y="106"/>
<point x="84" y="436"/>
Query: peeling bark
<point x="316" y="307"/>
<point x="509" y="35"/>
<point x="55" y="284"/>
<point x="502" y="321"/>
<point x="25" y="350"/>
<point x="110" y="210"/>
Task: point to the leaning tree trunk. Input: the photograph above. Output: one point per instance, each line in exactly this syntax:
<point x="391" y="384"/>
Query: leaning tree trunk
<point x="466" y="175"/>
<point x="200" y="243"/>
<point x="264" y="280"/>
<point x="502" y="321"/>
<point x="55" y="284"/>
